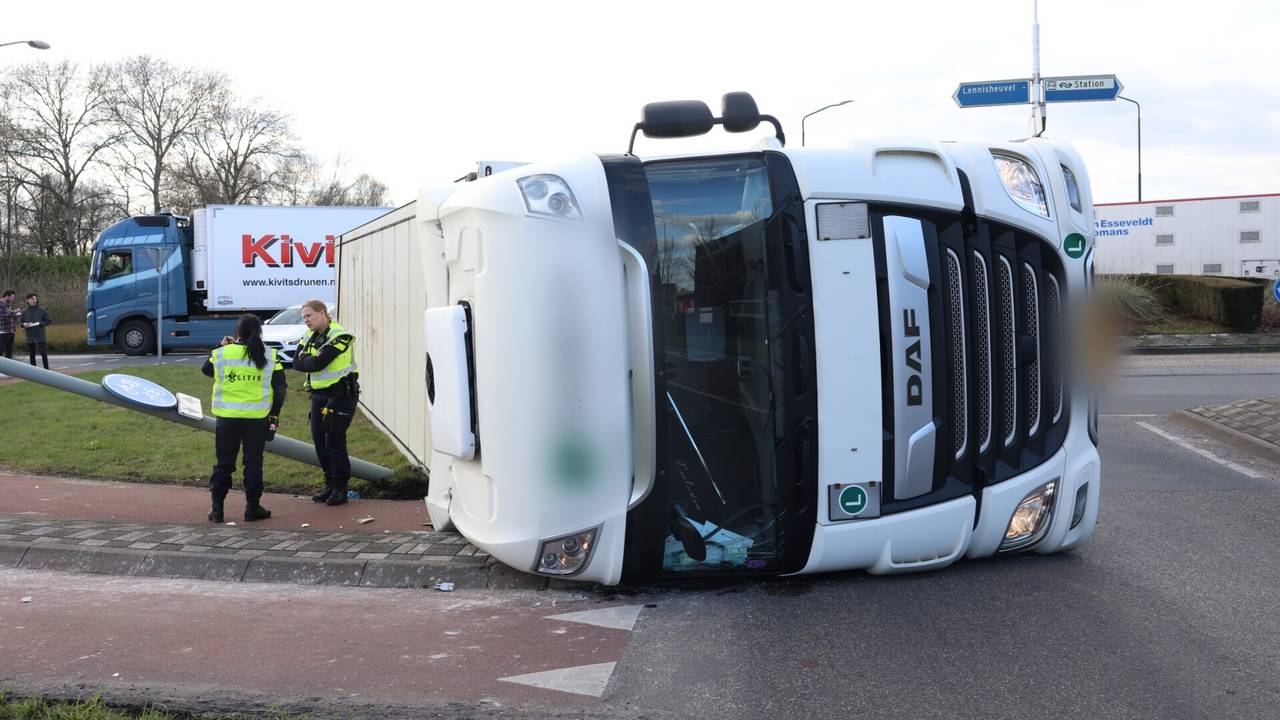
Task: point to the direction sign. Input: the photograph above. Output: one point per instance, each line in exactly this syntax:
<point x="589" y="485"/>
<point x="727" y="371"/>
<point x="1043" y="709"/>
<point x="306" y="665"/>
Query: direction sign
<point x="993" y="92"/>
<point x="1275" y="290"/>
<point x="139" y="391"/>
<point x="1081" y="88"/>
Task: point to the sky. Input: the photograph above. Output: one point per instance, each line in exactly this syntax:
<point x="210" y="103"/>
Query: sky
<point x="417" y="93"/>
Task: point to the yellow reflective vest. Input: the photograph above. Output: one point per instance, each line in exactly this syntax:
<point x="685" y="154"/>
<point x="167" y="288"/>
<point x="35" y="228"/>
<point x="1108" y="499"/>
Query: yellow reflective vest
<point x="342" y="366"/>
<point x="240" y="388"/>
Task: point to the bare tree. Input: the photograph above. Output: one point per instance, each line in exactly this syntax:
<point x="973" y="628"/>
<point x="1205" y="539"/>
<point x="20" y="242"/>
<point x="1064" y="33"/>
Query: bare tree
<point x="61" y="124"/>
<point x="363" y="191"/>
<point x="155" y="106"/>
<point x="237" y="152"/>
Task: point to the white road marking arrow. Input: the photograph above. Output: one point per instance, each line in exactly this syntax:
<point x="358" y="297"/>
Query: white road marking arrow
<point x="581" y="680"/>
<point x="620" y="617"/>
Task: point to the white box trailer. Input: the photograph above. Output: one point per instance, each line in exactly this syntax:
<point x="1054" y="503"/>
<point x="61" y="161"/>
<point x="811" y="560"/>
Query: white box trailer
<point x="265" y="257"/>
<point x="1233" y="236"/>
<point x="774" y="361"/>
<point x="382" y="297"/>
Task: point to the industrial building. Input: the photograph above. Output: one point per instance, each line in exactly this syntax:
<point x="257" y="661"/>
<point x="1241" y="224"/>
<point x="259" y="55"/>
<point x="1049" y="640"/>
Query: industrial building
<point x="1232" y="236"/>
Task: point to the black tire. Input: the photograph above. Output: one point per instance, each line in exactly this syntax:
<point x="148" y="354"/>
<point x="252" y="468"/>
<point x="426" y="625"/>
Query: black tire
<point x="136" y="337"/>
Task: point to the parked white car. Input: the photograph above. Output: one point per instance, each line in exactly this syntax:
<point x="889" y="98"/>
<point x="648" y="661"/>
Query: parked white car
<point x="283" y="331"/>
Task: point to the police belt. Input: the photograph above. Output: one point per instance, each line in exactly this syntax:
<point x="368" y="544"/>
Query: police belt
<point x="346" y="388"/>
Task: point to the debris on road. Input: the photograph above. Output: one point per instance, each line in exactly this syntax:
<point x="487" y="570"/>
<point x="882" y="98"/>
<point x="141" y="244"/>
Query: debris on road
<point x="231" y="524"/>
<point x="306" y="525"/>
<point x="365" y="520"/>
<point x="27" y="599"/>
<point x="444" y="586"/>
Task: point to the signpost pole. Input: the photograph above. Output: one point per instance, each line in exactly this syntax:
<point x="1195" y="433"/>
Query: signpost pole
<point x="159" y="256"/>
<point x="159" y="313"/>
<point x="1037" y="85"/>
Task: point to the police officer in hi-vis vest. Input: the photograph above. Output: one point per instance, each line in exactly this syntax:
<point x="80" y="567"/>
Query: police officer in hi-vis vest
<point x="248" y="391"/>
<point x="327" y="354"/>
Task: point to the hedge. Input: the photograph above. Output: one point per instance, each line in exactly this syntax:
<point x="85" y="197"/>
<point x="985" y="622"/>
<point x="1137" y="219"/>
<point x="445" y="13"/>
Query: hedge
<point x="1233" y="302"/>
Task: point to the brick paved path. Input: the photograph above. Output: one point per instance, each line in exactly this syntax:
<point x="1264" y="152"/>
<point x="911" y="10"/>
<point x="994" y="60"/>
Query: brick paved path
<point x="239" y="553"/>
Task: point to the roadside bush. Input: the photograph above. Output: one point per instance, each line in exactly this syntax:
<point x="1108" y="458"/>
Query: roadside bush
<point x="1270" y="310"/>
<point x="1232" y="302"/>
<point x="1131" y="301"/>
<point x="60" y="282"/>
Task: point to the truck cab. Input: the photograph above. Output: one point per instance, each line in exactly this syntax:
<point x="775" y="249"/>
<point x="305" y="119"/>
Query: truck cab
<point x="123" y="283"/>
<point x="775" y="361"/>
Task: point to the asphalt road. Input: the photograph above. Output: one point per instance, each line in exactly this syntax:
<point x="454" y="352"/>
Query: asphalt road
<point x="109" y="361"/>
<point x="1170" y="612"/>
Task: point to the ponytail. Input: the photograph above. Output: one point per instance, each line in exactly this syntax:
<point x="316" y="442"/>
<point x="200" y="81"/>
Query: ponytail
<point x="249" y="331"/>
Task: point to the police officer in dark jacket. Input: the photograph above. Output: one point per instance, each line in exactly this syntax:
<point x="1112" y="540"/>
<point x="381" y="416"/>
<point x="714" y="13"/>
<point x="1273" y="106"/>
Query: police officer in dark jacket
<point x="327" y="354"/>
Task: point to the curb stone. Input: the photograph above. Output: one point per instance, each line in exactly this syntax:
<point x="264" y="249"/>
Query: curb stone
<point x="1236" y="438"/>
<point x="417" y="559"/>
<point x="11" y="553"/>
<point x="1195" y="344"/>
<point x="304" y="571"/>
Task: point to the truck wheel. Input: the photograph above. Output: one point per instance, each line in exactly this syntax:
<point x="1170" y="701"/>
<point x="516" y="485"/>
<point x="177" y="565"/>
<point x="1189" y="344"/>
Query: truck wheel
<point x="136" y="337"/>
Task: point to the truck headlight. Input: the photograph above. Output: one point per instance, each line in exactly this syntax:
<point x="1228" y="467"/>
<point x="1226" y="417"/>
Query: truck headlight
<point x="1030" y="521"/>
<point x="549" y="195"/>
<point x="568" y="554"/>
<point x="1022" y="184"/>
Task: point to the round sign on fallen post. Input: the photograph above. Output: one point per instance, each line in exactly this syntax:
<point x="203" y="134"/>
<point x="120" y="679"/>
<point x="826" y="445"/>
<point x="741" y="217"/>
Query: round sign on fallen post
<point x="139" y="391"/>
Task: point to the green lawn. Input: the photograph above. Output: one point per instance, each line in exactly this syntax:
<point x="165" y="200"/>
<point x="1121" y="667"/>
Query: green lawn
<point x="50" y="431"/>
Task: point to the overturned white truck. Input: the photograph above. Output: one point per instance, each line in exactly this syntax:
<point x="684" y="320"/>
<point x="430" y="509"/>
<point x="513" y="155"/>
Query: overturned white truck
<point x="774" y="361"/>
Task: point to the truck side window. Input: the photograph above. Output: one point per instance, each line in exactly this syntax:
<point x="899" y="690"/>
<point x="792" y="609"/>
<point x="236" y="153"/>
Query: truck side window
<point x="116" y="263"/>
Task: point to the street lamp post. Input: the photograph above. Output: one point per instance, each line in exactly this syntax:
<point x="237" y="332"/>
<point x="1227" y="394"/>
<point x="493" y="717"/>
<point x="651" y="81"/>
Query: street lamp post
<point x="815" y="112"/>
<point x="37" y="44"/>
<point x="1139" y="105"/>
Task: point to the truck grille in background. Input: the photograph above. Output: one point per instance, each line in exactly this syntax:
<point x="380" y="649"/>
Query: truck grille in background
<point x="982" y="351"/>
<point x="1008" y="338"/>
<point x="1031" y="307"/>
<point x="952" y="275"/>
<point x="1053" y="346"/>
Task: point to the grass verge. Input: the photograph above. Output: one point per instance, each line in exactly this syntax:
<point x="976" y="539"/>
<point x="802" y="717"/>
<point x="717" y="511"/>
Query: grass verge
<point x="13" y="708"/>
<point x="62" y="433"/>
<point x="91" y="709"/>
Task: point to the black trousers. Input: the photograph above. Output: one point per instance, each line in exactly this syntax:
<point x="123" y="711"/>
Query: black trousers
<point x="330" y="436"/>
<point x="6" y="345"/>
<point x="231" y="434"/>
<point x="43" y="349"/>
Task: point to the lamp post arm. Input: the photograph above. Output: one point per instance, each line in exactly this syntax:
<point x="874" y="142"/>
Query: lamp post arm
<point x="815" y="112"/>
<point x="1139" y="106"/>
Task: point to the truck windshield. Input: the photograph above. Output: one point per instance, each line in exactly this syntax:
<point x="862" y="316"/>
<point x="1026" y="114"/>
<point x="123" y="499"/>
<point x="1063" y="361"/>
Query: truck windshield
<point x="722" y="500"/>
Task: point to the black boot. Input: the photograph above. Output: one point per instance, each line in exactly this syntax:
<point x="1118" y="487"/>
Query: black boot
<point x="323" y="494"/>
<point x="339" y="494"/>
<point x="215" y="515"/>
<point x="253" y="510"/>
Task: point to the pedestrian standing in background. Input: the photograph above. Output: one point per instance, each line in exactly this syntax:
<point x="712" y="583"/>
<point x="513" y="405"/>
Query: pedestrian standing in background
<point x="34" y="320"/>
<point x="8" y="322"/>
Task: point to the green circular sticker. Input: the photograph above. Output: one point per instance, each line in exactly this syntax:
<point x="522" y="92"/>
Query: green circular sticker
<point x="1074" y="245"/>
<point x="853" y="500"/>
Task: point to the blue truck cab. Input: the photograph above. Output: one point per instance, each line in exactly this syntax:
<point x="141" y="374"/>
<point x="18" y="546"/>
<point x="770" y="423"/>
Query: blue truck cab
<point x="124" y="285"/>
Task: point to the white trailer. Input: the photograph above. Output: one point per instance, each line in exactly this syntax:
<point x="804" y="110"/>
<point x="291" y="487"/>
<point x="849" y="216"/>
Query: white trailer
<point x="1233" y="236"/>
<point x="774" y="361"/>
